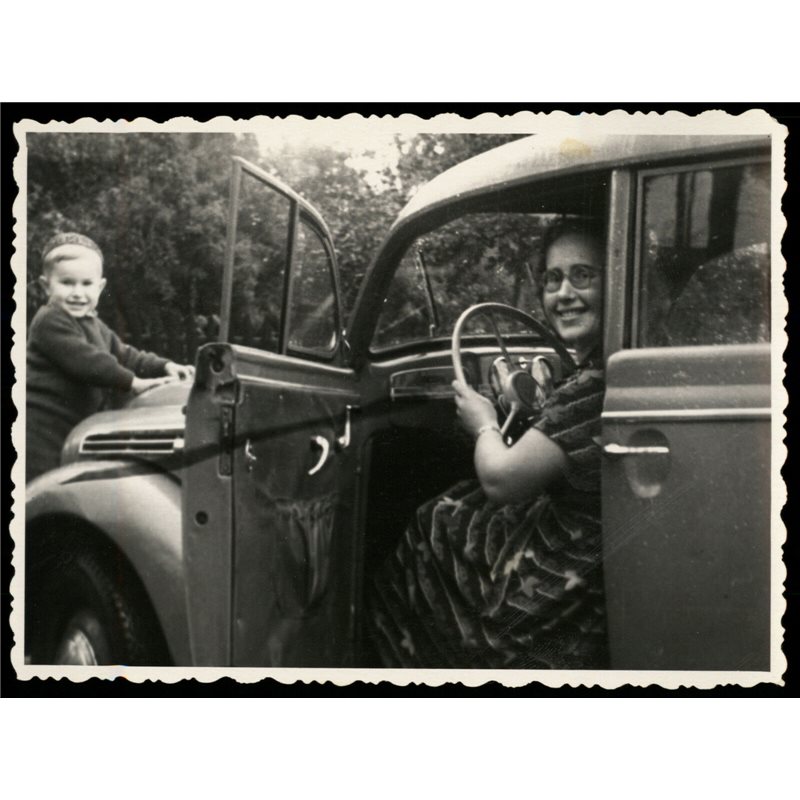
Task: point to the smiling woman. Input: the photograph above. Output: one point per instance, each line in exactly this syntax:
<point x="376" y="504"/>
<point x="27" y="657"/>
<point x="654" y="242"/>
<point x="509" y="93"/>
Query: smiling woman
<point x="505" y="570"/>
<point x="573" y="288"/>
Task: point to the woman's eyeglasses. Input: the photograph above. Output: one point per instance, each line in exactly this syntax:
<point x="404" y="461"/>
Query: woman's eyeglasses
<point x="579" y="276"/>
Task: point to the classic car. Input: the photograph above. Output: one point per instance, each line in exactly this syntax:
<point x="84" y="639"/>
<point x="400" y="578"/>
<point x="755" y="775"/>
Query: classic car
<point x="233" y="522"/>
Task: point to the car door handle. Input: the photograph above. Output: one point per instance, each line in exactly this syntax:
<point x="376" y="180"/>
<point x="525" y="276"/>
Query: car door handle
<point x="614" y="449"/>
<point x="343" y="441"/>
<point x="323" y="444"/>
<point x="250" y="457"/>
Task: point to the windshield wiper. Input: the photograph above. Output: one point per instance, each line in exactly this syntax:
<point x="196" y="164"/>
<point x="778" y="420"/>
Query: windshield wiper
<point x="419" y="261"/>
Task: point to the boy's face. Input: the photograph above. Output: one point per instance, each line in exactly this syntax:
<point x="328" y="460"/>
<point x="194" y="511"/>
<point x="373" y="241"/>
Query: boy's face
<point x="75" y="279"/>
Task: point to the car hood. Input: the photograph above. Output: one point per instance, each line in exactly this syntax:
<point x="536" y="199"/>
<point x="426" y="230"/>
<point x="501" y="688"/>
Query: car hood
<point x="149" y="427"/>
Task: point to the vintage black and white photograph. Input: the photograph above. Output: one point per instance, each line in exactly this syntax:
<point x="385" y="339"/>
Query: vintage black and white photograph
<point x="388" y="398"/>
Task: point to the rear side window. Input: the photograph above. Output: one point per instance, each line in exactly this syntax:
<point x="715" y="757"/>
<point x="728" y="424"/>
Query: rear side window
<point x="704" y="256"/>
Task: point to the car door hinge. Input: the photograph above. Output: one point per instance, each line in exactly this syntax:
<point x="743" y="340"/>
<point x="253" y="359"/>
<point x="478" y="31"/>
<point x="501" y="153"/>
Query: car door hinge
<point x="226" y="443"/>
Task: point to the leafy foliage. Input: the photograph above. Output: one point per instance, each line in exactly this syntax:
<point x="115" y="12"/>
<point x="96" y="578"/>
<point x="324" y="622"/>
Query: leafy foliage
<point x="157" y="205"/>
<point x="475" y="258"/>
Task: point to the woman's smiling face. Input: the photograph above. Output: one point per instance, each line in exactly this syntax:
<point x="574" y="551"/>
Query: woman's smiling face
<point x="576" y="314"/>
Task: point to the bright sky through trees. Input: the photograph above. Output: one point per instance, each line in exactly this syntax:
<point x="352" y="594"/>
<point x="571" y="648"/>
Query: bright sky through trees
<point x="369" y="143"/>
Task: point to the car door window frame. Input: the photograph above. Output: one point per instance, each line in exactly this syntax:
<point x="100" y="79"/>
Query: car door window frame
<point x="616" y="335"/>
<point x="299" y="209"/>
<point x="301" y="215"/>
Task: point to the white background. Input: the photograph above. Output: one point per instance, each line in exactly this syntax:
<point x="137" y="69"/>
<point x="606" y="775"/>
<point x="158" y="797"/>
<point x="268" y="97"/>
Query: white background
<point x="411" y="51"/>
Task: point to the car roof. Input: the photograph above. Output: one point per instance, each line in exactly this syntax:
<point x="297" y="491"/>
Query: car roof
<point x="554" y="155"/>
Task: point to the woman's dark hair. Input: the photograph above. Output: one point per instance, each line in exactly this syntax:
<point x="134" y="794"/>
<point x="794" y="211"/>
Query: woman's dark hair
<point x="586" y="226"/>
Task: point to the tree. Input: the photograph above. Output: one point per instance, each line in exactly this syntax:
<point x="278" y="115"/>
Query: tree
<point x="360" y="209"/>
<point x="157" y="205"/>
<point x="357" y="212"/>
<point x="424" y="156"/>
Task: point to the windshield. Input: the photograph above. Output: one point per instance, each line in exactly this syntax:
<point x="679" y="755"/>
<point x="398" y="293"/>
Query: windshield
<point x="473" y="259"/>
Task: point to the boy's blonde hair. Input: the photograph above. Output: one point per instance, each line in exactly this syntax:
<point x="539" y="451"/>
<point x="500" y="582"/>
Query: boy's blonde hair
<point x="48" y="261"/>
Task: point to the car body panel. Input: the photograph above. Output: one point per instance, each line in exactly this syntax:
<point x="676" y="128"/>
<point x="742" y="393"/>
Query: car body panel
<point x="270" y="564"/>
<point x="686" y="531"/>
<point x="207" y="506"/>
<point x="545" y="157"/>
<point x="110" y="497"/>
<point x="151" y="430"/>
<point x="293" y="547"/>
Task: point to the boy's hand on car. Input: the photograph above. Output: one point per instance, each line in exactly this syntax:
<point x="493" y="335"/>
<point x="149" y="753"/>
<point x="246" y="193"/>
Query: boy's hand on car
<point x="140" y="385"/>
<point x="181" y="371"/>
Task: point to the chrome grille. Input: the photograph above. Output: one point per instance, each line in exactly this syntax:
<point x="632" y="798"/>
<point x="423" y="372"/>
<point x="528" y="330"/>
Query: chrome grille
<point x="122" y="443"/>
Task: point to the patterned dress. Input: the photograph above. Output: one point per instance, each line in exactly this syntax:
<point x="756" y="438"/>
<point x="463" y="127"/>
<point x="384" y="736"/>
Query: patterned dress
<point x="477" y="584"/>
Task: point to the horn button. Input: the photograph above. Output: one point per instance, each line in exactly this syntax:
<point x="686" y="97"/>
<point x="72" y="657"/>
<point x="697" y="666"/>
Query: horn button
<point x="514" y="385"/>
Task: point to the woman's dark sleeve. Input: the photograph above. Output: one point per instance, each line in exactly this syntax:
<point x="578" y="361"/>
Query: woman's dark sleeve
<point x="571" y="418"/>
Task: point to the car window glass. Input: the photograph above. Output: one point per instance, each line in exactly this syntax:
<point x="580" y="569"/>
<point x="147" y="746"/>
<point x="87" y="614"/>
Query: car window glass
<point x="474" y="259"/>
<point x="259" y="266"/>
<point x="407" y="314"/>
<point x="312" y="313"/>
<point x="705" y="257"/>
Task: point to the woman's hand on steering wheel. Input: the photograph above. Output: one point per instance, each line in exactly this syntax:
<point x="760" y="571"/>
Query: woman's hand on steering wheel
<point x="518" y="389"/>
<point x="474" y="410"/>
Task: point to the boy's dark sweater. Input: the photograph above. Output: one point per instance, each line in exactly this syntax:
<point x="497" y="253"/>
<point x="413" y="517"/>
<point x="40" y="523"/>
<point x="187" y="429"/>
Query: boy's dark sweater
<point x="73" y="361"/>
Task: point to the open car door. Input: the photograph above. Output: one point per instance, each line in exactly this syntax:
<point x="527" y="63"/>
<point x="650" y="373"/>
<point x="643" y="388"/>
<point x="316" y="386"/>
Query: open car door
<point x="686" y="427"/>
<point x="270" y="443"/>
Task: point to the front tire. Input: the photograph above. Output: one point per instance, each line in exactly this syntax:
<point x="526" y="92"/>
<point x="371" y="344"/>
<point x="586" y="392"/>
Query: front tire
<point x="90" y="610"/>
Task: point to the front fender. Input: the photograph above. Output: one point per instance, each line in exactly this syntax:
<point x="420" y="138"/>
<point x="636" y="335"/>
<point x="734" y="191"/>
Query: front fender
<point x="139" y="508"/>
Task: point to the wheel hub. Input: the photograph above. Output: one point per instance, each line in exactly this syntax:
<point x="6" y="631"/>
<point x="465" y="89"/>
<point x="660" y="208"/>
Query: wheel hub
<point x="82" y="642"/>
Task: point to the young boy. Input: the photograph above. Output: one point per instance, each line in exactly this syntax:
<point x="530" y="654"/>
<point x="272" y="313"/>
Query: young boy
<point x="73" y="357"/>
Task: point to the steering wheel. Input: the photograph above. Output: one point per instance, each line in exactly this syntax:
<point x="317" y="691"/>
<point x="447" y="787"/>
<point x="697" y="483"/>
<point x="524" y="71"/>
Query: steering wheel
<point x="516" y="389"/>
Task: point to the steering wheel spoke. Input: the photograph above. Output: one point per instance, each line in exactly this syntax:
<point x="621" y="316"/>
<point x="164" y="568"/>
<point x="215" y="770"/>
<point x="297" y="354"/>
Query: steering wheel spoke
<point x="501" y="344"/>
<point x="518" y="387"/>
<point x="512" y="414"/>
